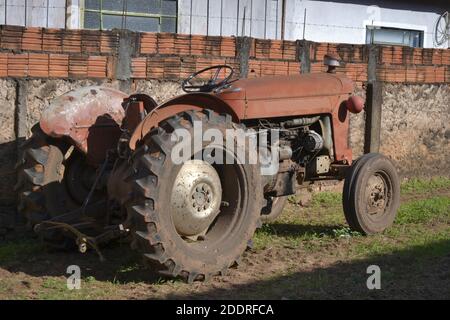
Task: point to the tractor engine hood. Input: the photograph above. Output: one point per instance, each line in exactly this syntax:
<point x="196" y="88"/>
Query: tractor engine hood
<point x="288" y="87"/>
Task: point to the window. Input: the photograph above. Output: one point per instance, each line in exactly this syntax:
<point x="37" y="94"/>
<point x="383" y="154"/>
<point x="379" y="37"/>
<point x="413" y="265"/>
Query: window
<point x="137" y="15"/>
<point x="393" y="36"/>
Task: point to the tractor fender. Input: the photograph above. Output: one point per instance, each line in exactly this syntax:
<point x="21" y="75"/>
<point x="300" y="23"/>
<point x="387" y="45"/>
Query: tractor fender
<point x="192" y="101"/>
<point x="90" y="117"/>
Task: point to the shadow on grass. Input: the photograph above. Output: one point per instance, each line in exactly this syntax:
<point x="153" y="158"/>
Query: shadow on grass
<point x="122" y="264"/>
<point x="421" y="272"/>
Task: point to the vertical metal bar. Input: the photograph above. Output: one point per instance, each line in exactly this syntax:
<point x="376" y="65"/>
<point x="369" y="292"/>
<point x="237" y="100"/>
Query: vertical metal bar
<point x="65" y="13"/>
<point x="26" y="6"/>
<point x="176" y="19"/>
<point x="207" y="17"/>
<point x="304" y="24"/>
<point x="48" y="4"/>
<point x="221" y="16"/>
<point x="265" y="19"/>
<point x="123" y="15"/>
<point x="190" y="18"/>
<point x="276" y="22"/>
<point x="101" y="14"/>
<point x="283" y="18"/>
<point x="251" y="16"/>
<point x="243" y="23"/>
<point x="237" y="20"/>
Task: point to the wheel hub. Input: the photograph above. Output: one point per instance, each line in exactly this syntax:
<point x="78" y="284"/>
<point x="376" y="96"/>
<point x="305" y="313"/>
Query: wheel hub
<point x="376" y="195"/>
<point x="201" y="197"/>
<point x="196" y="198"/>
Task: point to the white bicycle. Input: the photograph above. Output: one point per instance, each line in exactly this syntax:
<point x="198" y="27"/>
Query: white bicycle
<point x="442" y="31"/>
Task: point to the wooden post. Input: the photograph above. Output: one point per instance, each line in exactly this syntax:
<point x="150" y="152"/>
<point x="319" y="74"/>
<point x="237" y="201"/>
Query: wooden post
<point x="374" y="103"/>
<point x="243" y="54"/>
<point x="304" y="55"/>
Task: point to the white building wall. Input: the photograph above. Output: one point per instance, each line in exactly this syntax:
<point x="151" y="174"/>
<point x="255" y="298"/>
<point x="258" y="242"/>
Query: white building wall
<point x="255" y="18"/>
<point x="346" y="22"/>
<point x="33" y="13"/>
<point x="326" y="21"/>
<point x="73" y="14"/>
<point x="320" y="21"/>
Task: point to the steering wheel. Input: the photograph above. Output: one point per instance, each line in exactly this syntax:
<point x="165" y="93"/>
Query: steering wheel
<point x="211" y="84"/>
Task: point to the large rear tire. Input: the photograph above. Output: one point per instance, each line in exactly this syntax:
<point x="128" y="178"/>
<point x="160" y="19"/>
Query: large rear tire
<point x="371" y="194"/>
<point x="43" y="186"/>
<point x="42" y="194"/>
<point x="161" y="203"/>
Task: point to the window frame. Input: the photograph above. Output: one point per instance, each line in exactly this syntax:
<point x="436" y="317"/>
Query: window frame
<point x="370" y="31"/>
<point x="102" y="12"/>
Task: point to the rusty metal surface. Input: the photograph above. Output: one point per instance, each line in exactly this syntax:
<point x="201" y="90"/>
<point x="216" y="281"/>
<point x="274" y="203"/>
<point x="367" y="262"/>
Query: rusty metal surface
<point x="289" y="87"/>
<point x="134" y="114"/>
<point x="192" y="101"/>
<point x="270" y="97"/>
<point x="355" y="104"/>
<point x="90" y="117"/>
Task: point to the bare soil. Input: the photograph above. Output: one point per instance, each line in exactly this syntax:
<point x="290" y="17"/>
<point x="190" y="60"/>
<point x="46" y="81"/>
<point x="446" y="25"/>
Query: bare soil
<point x="308" y="254"/>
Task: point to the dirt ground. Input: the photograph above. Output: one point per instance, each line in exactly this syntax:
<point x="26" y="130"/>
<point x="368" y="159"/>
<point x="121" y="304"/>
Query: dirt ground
<point x="308" y="253"/>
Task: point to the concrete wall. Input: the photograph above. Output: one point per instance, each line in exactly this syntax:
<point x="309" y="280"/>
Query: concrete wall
<point x="40" y="93"/>
<point x="415" y="129"/>
<point x="8" y="145"/>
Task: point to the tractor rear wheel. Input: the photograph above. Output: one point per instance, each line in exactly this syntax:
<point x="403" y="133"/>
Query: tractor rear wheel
<point x="49" y="172"/>
<point x="371" y="194"/>
<point x="193" y="219"/>
<point x="40" y="171"/>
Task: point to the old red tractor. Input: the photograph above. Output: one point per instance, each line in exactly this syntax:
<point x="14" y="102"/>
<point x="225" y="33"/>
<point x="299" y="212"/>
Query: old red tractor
<point x="102" y="165"/>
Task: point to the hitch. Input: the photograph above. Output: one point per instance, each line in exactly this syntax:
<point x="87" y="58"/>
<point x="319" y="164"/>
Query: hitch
<point x="83" y="240"/>
<point x="85" y="218"/>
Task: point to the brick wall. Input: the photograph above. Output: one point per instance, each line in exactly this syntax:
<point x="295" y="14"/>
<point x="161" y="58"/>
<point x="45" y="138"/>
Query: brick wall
<point x="57" y="53"/>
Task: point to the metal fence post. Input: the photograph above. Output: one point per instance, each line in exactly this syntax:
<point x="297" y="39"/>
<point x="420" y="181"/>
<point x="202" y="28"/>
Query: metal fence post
<point x="374" y="102"/>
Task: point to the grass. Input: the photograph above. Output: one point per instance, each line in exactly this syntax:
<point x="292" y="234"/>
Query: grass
<point x="56" y="289"/>
<point x="416" y="185"/>
<point x="13" y="250"/>
<point x="318" y="231"/>
<point x="324" y="220"/>
<point x="326" y="199"/>
<point x="425" y="211"/>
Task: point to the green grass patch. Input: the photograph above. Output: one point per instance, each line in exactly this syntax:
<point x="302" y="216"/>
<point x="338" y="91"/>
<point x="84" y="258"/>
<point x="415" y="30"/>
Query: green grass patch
<point x="56" y="289"/>
<point x="418" y="241"/>
<point x="423" y="211"/>
<point x="416" y="185"/>
<point x="326" y="199"/>
<point x="10" y="251"/>
<point x="323" y="224"/>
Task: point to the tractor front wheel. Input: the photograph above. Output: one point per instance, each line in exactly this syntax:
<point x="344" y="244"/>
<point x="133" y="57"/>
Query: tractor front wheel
<point x="371" y="194"/>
